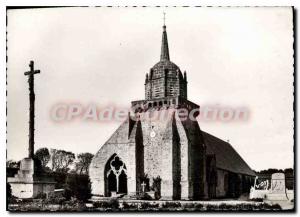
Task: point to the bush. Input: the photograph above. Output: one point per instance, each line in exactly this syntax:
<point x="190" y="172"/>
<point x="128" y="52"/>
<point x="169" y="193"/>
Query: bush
<point x="224" y="206"/>
<point x="78" y="186"/>
<point x="242" y="206"/>
<point x="55" y="200"/>
<point x="73" y="205"/>
<point x="8" y="191"/>
<point x="143" y="196"/>
<point x="193" y="206"/>
<point x="41" y="196"/>
<point x="257" y="199"/>
<point x="127" y="206"/>
<point x="60" y="179"/>
<point x="188" y="205"/>
<point x="276" y="207"/>
<point x="246" y="206"/>
<point x="111" y="204"/>
<point x="210" y="207"/>
<point x="266" y="206"/>
<point x="9" y="197"/>
<point x="114" y="204"/>
<point x="171" y="205"/>
<point x="199" y="206"/>
<point x="147" y="206"/>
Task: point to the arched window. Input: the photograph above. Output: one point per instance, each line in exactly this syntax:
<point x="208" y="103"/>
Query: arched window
<point x="115" y="176"/>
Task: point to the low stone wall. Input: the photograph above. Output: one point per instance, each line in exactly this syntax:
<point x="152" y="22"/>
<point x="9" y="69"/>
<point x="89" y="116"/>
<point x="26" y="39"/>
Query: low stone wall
<point x="142" y="205"/>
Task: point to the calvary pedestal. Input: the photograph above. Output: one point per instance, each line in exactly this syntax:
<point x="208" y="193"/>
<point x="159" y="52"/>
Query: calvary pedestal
<point x="29" y="182"/>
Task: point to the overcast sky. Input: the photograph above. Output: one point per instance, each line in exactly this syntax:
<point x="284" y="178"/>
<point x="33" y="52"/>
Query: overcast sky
<point x="233" y="57"/>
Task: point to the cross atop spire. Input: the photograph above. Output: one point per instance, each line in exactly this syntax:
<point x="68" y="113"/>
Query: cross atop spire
<point x="164" y="45"/>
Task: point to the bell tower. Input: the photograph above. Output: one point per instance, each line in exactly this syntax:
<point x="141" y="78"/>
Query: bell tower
<point x="165" y="84"/>
<point x="165" y="78"/>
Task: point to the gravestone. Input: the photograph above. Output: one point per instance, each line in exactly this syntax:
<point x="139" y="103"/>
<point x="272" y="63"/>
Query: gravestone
<point x="278" y="189"/>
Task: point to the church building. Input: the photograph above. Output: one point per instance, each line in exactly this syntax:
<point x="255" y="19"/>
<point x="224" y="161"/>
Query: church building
<point x="170" y="158"/>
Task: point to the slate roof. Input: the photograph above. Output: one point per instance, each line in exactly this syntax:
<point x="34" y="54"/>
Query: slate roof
<point x="226" y="156"/>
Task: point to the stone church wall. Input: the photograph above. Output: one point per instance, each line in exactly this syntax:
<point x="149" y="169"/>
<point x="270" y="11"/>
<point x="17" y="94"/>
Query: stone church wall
<point x="221" y="186"/>
<point x="171" y="149"/>
<point x="197" y="160"/>
<point x="184" y="160"/>
<point x="120" y="145"/>
<point x="158" y="152"/>
<point x="192" y="159"/>
<point x="232" y="184"/>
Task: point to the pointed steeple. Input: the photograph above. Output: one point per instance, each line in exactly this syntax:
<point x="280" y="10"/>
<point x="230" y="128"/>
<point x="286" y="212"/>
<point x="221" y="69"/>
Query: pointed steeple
<point x="164" y="44"/>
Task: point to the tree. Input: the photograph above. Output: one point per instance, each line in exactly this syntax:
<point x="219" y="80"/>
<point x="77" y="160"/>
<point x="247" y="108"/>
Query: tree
<point x="83" y="163"/>
<point x="8" y="191"/>
<point x="289" y="170"/>
<point x="12" y="164"/>
<point x="270" y="171"/>
<point x="43" y="155"/>
<point x="9" y="197"/>
<point x="61" y="160"/>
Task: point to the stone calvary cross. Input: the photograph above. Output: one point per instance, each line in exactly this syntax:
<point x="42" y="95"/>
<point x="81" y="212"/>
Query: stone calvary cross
<point x="28" y="182"/>
<point x="30" y="75"/>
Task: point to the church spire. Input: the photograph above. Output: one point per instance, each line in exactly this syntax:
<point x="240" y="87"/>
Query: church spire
<point x="164" y="44"/>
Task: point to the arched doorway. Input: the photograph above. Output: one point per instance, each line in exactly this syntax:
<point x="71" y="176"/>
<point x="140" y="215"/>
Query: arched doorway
<point x="115" y="176"/>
